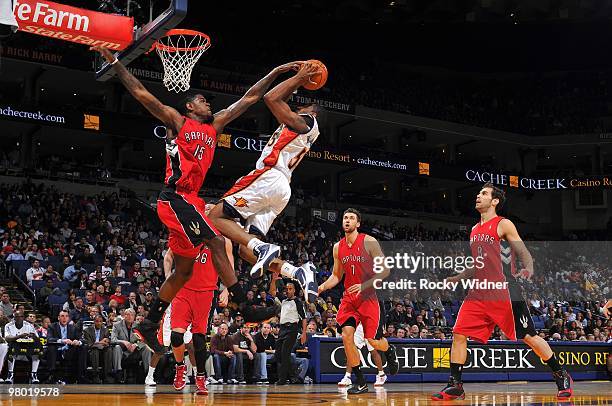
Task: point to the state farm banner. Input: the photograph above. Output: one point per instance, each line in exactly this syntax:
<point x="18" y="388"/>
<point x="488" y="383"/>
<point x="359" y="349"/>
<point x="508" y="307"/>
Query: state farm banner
<point x="74" y="24"/>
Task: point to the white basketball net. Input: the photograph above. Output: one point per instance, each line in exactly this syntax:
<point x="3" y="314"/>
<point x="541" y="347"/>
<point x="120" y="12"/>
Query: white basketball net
<point x="179" y="54"/>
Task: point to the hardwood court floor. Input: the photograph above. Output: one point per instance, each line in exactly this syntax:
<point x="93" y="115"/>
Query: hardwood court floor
<point x="513" y="393"/>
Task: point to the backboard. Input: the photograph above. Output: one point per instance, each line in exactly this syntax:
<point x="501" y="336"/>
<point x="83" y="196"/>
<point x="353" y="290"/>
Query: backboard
<point x="144" y="37"/>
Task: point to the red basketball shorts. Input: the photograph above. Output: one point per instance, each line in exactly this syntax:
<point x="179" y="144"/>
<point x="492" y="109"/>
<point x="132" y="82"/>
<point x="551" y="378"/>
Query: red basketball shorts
<point x="366" y="311"/>
<point x="477" y="319"/>
<point x="184" y="216"/>
<point x="191" y="307"/>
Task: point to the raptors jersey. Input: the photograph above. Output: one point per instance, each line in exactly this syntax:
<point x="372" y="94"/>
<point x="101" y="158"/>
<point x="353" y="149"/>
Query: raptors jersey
<point x="497" y="257"/>
<point x="189" y="156"/>
<point x="357" y="264"/>
<point x="204" y="277"/>
<point x="286" y="148"/>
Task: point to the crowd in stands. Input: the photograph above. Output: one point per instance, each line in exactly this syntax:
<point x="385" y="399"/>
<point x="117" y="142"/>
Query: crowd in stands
<point x="95" y="264"/>
<point x="534" y="104"/>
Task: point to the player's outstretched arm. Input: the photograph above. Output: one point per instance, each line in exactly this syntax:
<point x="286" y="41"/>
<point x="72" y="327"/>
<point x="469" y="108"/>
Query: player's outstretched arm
<point x="336" y="275"/>
<point x="252" y="96"/>
<point x="168" y="261"/>
<point x="166" y="114"/>
<point x="276" y="98"/>
<point x="507" y="231"/>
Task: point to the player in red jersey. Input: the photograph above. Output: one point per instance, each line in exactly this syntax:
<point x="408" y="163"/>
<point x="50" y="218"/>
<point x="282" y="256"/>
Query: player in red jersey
<point x="190" y="149"/>
<point x="192" y="306"/>
<point x="495" y="241"/>
<point x="354" y="258"/>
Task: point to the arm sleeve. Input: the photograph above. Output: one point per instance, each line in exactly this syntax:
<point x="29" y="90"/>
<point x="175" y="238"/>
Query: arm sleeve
<point x="300" y="308"/>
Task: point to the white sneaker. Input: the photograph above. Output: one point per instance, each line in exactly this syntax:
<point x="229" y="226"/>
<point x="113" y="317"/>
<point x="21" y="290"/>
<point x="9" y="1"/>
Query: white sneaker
<point x="346" y="381"/>
<point x="306" y="275"/>
<point x="380" y="380"/>
<point x="149" y="381"/>
<point x="308" y="380"/>
<point x="212" y="381"/>
<point x="232" y="381"/>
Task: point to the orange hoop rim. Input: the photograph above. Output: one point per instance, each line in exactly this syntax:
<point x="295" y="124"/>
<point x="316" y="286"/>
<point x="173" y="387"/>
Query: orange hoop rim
<point x="181" y="31"/>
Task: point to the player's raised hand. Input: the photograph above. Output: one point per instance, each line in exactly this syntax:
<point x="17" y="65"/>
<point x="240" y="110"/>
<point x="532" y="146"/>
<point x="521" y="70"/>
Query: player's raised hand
<point x="104" y="52"/>
<point x="295" y="65"/>
<point x="307" y="71"/>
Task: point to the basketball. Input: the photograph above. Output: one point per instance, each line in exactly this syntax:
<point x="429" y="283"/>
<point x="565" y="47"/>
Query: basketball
<point x="319" y="79"/>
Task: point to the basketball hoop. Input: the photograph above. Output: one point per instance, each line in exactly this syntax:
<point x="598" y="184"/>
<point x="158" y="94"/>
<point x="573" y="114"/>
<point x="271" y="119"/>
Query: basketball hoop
<point x="179" y="51"/>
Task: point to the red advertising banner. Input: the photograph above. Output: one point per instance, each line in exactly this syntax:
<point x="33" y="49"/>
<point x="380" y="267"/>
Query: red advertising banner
<point x="74" y="24"/>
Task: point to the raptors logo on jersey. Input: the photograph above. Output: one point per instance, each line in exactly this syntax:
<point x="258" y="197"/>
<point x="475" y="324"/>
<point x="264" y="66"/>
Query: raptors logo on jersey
<point x="497" y="260"/>
<point x="356" y="262"/>
<point x="189" y="156"/>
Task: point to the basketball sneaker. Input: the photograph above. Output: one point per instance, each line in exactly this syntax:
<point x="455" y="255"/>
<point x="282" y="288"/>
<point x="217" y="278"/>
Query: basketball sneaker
<point x="355" y="389"/>
<point x="179" y="377"/>
<point x="346" y="381"/>
<point x="9" y="378"/>
<point x="380" y="380"/>
<point x="453" y="390"/>
<point x="306" y="275"/>
<point x="564" y="383"/>
<point x="146" y="332"/>
<point x="265" y="254"/>
<point x="392" y="361"/>
<point x="34" y="377"/>
<point x="149" y="381"/>
<point x="201" y="388"/>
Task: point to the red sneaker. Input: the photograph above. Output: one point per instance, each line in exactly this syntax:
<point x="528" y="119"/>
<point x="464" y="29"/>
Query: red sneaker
<point x="201" y="385"/>
<point x="564" y="383"/>
<point x="453" y="390"/>
<point x="179" y="377"/>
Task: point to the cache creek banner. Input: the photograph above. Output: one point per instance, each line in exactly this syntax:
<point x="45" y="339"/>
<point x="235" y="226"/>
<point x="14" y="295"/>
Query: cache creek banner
<point x="429" y="360"/>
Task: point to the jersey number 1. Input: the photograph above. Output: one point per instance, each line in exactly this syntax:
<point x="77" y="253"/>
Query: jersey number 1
<point x="353" y="269"/>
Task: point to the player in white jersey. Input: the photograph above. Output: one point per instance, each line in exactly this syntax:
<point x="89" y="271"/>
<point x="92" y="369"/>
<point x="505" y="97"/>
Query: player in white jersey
<point x="259" y="197"/>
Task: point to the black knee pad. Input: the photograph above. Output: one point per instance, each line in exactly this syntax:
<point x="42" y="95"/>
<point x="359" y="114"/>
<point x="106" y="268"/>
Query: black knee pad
<point x="176" y="339"/>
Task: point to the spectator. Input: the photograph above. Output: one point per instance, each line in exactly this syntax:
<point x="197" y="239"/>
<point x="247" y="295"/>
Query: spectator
<point x="42" y="331"/>
<point x="45" y="291"/>
<point x="100" y="296"/>
<point x="438" y="319"/>
<point x="73" y="272"/>
<point x="6" y="306"/>
<point x="390" y="332"/>
<point x="221" y="346"/>
<point x="33" y="253"/>
<point x="64" y="343"/>
<point x="397" y="315"/>
<point x="15" y="334"/>
<point x="79" y="310"/>
<point x="35" y="273"/>
<point x="106" y="268"/>
<point x="244" y="350"/>
<point x="401" y="333"/>
<point x="97" y="339"/>
<point x="126" y="345"/>
<point x="118" y="296"/>
<point x="51" y="274"/>
<point x="133" y="301"/>
<point x="266" y="344"/>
